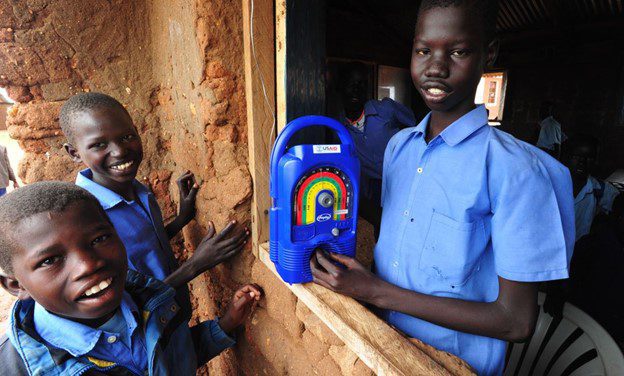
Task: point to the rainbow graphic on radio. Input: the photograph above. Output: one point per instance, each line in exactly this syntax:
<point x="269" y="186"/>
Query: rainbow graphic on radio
<point x="311" y="185"/>
<point x="314" y="190"/>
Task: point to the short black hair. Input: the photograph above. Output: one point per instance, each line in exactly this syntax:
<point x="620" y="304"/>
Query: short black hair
<point x="32" y="199"/>
<point x="485" y="11"/>
<point x="345" y="71"/>
<point x="83" y="102"/>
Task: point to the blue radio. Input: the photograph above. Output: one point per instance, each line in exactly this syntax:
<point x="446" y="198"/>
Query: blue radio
<point x="314" y="189"/>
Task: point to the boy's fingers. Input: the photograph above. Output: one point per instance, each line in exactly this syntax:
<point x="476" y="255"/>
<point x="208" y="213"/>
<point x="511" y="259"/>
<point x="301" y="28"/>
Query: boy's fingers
<point x="325" y="263"/>
<point x="211" y="230"/>
<point x="317" y="271"/>
<point x="226" y="230"/>
<point x="243" y="300"/>
<point x="322" y="282"/>
<point x="193" y="192"/>
<point x="345" y="260"/>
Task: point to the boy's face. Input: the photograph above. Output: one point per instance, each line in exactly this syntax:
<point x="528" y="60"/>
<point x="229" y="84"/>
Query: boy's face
<point x="72" y="263"/>
<point x="581" y="160"/>
<point x="106" y="140"/>
<point x="448" y="58"/>
<point x="354" y="90"/>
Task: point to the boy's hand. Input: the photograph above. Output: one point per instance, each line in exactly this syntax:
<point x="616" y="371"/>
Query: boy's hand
<point x="353" y="280"/>
<point x="15" y="184"/>
<point x="240" y="306"/>
<point x="213" y="250"/>
<point x="188" y="188"/>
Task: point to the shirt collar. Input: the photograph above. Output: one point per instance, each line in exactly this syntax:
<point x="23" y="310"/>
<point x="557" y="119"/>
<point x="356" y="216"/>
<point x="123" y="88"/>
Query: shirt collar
<point x="105" y="196"/>
<point x="460" y="129"/>
<point x="73" y="337"/>
<point x="587" y="189"/>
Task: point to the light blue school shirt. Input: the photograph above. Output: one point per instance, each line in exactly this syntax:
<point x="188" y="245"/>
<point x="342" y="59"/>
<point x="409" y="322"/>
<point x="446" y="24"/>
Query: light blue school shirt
<point x="472" y="205"/>
<point x="139" y="225"/>
<point x="115" y="341"/>
<point x="587" y="205"/>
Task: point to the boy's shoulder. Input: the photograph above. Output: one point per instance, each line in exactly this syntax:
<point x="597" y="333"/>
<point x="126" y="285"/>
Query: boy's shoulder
<point x="10" y="359"/>
<point x="105" y="196"/>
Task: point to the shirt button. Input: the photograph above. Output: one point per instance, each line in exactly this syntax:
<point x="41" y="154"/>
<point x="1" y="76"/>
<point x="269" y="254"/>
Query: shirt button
<point x="163" y="319"/>
<point x="406" y="212"/>
<point x="111" y="339"/>
<point x="395" y="264"/>
<point x="174" y="308"/>
<point x="420" y="170"/>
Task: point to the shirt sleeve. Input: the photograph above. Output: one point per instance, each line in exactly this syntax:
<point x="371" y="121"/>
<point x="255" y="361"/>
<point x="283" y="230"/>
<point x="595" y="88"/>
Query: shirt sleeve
<point x="549" y="135"/>
<point x="527" y="230"/>
<point x="608" y="196"/>
<point x="402" y="115"/>
<point x="210" y="340"/>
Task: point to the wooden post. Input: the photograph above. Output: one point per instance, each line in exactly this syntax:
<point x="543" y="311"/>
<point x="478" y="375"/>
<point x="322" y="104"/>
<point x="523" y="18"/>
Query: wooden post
<point x="259" y="55"/>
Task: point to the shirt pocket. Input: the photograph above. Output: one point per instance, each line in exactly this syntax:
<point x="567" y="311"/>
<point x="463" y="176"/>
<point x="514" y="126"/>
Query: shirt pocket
<point x="452" y="249"/>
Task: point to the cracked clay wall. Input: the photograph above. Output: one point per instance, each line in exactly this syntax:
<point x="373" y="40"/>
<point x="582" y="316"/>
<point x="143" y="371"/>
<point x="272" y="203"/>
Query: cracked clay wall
<point x="177" y="65"/>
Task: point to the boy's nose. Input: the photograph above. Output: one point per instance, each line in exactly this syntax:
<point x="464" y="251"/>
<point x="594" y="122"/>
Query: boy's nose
<point x="86" y="264"/>
<point x="437" y="68"/>
<point x="118" y="150"/>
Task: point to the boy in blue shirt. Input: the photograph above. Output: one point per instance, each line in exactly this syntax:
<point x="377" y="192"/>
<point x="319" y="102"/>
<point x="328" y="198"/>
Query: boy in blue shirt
<point x="591" y="196"/>
<point x="80" y="310"/>
<point x="472" y="218"/>
<point x="101" y="134"/>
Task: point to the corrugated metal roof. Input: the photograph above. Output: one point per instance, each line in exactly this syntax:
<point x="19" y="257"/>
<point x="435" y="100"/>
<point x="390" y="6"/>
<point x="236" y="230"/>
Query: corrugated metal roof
<point x="515" y="15"/>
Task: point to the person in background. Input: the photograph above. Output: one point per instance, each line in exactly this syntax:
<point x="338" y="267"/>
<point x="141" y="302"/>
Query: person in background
<point x="591" y="195"/>
<point x="6" y="172"/>
<point x="371" y="123"/>
<point x="550" y="134"/>
<point x="597" y="269"/>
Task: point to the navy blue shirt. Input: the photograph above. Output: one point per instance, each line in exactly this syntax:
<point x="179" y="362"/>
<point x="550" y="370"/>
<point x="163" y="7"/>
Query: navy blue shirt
<point x="382" y="120"/>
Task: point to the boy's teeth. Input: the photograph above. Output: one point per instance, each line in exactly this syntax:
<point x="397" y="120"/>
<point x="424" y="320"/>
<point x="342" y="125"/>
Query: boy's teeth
<point x="99" y="287"/>
<point x="122" y="166"/>
<point x="435" y="91"/>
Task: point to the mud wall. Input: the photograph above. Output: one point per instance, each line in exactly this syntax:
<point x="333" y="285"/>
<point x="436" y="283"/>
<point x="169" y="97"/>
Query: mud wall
<point x="177" y="65"/>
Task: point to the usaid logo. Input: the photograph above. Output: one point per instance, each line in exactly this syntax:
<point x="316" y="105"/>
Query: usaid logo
<point x="326" y="149"/>
<point x="323" y="217"/>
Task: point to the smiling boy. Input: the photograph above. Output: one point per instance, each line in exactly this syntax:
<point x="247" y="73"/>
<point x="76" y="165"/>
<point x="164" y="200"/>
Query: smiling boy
<point x="472" y="218"/>
<point x="80" y="309"/>
<point x="102" y="136"/>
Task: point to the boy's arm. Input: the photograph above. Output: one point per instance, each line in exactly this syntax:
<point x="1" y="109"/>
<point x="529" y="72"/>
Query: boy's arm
<point x="511" y="317"/>
<point x="212" y="251"/>
<point x="209" y="340"/>
<point x="10" y="170"/>
<point x="188" y="187"/>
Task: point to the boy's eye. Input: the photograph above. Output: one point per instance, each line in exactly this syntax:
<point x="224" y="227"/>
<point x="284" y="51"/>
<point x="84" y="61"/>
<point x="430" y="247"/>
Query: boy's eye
<point x="459" y="53"/>
<point x="98" y="145"/>
<point x="49" y="261"/>
<point x="100" y="239"/>
<point x="129" y="137"/>
<point x="421" y="51"/>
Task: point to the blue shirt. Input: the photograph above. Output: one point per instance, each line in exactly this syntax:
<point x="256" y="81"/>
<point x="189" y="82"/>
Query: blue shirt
<point x="117" y="341"/>
<point x="139" y="225"/>
<point x="550" y="134"/>
<point x="383" y="119"/>
<point x="472" y="205"/>
<point x="590" y="201"/>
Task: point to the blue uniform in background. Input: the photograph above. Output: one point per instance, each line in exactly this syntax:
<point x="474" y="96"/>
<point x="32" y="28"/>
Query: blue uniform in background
<point x="594" y="198"/>
<point x="472" y="205"/>
<point x="379" y="122"/>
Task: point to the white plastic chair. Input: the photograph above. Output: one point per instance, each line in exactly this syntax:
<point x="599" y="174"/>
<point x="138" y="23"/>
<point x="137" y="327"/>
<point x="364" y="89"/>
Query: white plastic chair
<point x="576" y="345"/>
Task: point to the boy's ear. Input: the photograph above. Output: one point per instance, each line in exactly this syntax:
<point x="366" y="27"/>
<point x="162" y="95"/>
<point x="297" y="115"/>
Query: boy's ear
<point x="492" y="53"/>
<point x="13" y="287"/>
<point x="73" y="153"/>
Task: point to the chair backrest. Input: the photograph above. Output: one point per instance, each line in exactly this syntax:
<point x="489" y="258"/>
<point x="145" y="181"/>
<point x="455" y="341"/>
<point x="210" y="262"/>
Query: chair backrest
<point x="573" y="345"/>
